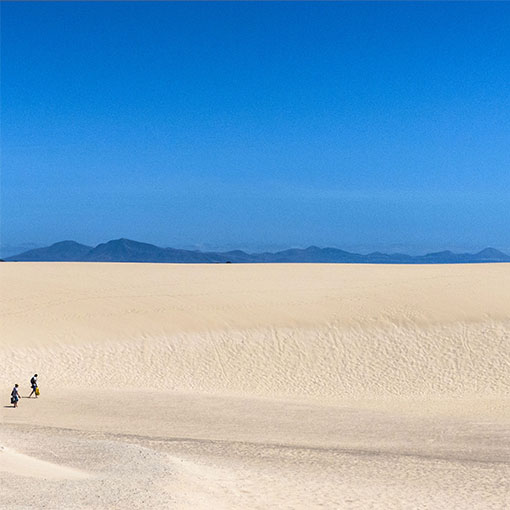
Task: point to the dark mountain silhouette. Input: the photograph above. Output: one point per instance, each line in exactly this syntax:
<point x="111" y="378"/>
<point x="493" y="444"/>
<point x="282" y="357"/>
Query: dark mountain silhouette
<point x="489" y="255"/>
<point x="448" y="257"/>
<point x="389" y="258"/>
<point x="312" y="254"/>
<point x="126" y="250"/>
<point x="69" y="251"/>
<point x="440" y="257"/>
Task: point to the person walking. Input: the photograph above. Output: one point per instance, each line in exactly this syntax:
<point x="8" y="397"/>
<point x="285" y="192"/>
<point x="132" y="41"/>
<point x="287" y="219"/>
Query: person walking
<point x="15" y="396"/>
<point x="33" y="383"/>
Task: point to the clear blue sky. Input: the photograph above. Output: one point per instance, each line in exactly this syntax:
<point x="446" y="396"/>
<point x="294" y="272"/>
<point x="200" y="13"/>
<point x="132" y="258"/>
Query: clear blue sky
<point x="257" y="125"/>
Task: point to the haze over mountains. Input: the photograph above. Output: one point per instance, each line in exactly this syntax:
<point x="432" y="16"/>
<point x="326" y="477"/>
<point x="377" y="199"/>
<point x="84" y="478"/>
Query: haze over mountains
<point x="126" y="250"/>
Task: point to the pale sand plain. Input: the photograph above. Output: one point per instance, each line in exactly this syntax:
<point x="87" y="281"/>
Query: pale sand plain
<point x="255" y="386"/>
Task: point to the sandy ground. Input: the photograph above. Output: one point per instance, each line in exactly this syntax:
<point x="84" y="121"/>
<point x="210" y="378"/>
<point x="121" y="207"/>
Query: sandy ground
<point x="255" y="386"/>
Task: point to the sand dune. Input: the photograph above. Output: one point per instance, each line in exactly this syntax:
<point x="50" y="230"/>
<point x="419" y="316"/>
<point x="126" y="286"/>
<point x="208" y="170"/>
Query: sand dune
<point x="257" y="386"/>
<point x="300" y="330"/>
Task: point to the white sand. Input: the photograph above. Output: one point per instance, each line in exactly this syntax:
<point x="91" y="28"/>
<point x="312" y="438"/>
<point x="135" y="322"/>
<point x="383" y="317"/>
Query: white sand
<point x="23" y="465"/>
<point x="256" y="386"/>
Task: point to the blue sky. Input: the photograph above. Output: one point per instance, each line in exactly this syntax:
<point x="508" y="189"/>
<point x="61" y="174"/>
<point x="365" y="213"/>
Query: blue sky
<point x="257" y="125"/>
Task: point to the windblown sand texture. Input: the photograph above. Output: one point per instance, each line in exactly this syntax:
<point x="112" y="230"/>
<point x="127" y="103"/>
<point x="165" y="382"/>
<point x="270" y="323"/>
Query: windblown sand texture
<point x="255" y="386"/>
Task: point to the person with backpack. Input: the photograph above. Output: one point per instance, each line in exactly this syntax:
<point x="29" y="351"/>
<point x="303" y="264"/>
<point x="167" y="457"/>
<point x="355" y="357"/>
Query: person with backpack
<point x="15" y="396"/>
<point x="35" y="388"/>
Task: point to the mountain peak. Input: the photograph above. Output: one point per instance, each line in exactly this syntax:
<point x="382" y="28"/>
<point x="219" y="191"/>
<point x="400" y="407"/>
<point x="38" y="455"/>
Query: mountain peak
<point x="66" y="243"/>
<point x="491" y="253"/>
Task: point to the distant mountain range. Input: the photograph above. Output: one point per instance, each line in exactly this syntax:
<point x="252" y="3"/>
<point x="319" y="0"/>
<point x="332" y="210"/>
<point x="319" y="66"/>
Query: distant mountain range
<point x="125" y="250"/>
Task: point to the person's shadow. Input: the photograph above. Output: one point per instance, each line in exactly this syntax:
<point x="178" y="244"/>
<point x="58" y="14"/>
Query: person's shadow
<point x="11" y="406"/>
